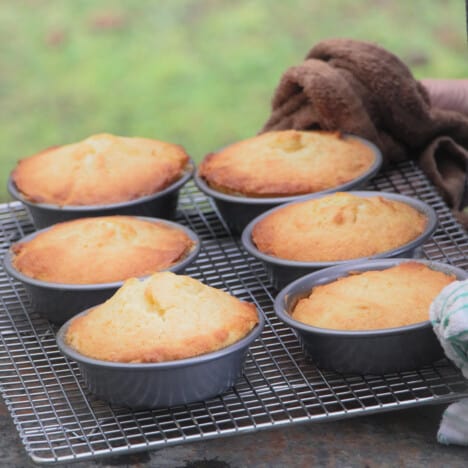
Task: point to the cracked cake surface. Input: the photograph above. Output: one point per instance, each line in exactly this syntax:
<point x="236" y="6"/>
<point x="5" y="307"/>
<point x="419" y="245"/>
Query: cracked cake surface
<point x="100" y="170"/>
<point x="286" y="163"/>
<point x="335" y="227"/>
<point x="390" y="298"/>
<point x="101" y="250"/>
<point x="162" y="318"/>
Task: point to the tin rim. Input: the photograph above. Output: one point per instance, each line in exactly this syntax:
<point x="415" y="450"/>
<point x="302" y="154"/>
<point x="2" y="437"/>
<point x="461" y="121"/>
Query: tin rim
<point x="149" y="366"/>
<point x="12" y="271"/>
<point x="15" y="193"/>
<point x="419" y="205"/>
<point x="371" y="172"/>
<point x="331" y="274"/>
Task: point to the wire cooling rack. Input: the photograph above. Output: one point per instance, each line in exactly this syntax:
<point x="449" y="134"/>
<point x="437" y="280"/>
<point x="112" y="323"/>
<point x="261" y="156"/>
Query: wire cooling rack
<point x="59" y="421"/>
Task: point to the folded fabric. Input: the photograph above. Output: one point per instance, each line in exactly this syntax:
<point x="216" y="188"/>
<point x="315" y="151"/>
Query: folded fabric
<point x="360" y="88"/>
<point x="449" y="317"/>
<point x="454" y="426"/>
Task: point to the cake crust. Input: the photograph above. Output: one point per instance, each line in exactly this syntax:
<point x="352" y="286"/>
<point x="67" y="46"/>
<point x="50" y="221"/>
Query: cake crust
<point x="286" y="163"/>
<point x="163" y="318"/>
<point x="340" y="226"/>
<point x="103" y="169"/>
<point x="101" y="250"/>
<point x="395" y="297"/>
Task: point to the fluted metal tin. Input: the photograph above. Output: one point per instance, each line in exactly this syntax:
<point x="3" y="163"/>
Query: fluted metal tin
<point x="162" y="384"/>
<point x="162" y="204"/>
<point x="363" y="352"/>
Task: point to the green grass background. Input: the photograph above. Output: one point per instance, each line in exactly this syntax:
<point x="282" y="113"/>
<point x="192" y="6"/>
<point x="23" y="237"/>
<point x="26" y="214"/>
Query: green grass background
<point x="200" y="73"/>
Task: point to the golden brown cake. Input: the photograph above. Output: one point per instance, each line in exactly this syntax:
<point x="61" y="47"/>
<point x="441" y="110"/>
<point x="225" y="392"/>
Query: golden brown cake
<point x="101" y="250"/>
<point x="286" y="163"/>
<point x="162" y="318"/>
<point x="373" y="300"/>
<point x="340" y="226"/>
<point x="101" y="170"/>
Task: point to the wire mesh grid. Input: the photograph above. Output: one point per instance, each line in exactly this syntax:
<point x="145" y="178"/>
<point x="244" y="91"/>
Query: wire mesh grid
<point x="58" y="420"/>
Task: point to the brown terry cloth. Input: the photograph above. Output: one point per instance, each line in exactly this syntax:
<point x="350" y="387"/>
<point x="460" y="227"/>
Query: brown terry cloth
<point x="360" y="88"/>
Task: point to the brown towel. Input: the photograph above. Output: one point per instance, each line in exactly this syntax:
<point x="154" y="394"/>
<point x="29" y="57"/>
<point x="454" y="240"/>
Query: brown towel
<point x="360" y="88"/>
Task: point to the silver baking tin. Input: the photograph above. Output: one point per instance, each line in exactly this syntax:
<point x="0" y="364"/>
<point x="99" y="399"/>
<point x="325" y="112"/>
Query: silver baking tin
<point x="162" y="204"/>
<point x="238" y="211"/>
<point x="363" y="352"/>
<point x="281" y="271"/>
<point x="59" y="301"/>
<point x="152" y="385"/>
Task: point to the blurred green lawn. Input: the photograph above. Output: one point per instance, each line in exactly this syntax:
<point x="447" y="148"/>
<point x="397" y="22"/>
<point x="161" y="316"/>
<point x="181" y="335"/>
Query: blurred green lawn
<point x="196" y="72"/>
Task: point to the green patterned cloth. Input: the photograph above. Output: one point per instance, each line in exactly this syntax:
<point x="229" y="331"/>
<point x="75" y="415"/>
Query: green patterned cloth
<point x="449" y="317"/>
